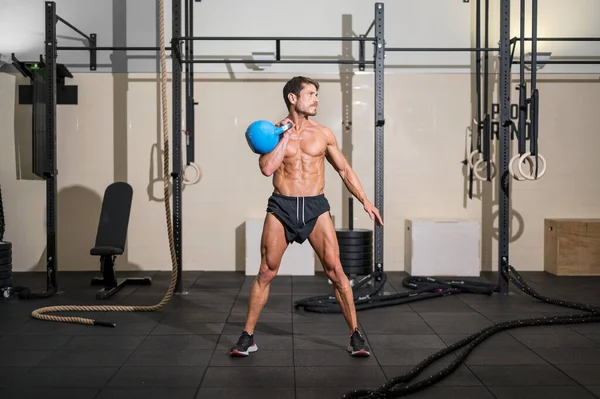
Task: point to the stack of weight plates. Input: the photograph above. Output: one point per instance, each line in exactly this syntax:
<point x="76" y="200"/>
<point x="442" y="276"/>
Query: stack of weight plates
<point x="5" y="265"/>
<point x="356" y="251"/>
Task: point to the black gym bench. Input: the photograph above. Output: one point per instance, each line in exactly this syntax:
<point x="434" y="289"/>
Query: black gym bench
<point x="111" y="238"/>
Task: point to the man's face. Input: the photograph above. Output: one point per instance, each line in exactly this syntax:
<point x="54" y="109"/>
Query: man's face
<point x="308" y="101"/>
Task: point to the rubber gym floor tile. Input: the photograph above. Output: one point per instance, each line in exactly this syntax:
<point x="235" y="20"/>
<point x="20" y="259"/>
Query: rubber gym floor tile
<point x="147" y="393"/>
<point x="461" y="377"/>
<point x="587" y="329"/>
<point x="454" y="393"/>
<point x="443" y="304"/>
<point x="366" y="377"/>
<point x="22" y="358"/>
<point x="276" y="303"/>
<point x="245" y="393"/>
<point x="249" y="377"/>
<point x="320" y="327"/>
<point x="322" y="342"/>
<point x="182" y="350"/>
<point x="594" y="389"/>
<point x="309" y="289"/>
<point x="92" y="342"/>
<point x="562" y="356"/>
<point x="501" y="317"/>
<point x="123" y="328"/>
<point x="181" y="315"/>
<point x="263" y="358"/>
<point x="331" y="357"/>
<point x="394" y="322"/>
<point x="179" y="342"/>
<point x="70" y="377"/>
<point x="563" y="339"/>
<point x="405" y="341"/>
<point x="278" y="317"/>
<point x="149" y="377"/>
<point x="324" y="392"/>
<point x="455" y="323"/>
<point x="86" y="358"/>
<point x="595" y="337"/>
<point x="302" y="316"/>
<point x="35" y="327"/>
<point x="408" y="357"/>
<point x="262" y="328"/>
<point x="499" y="349"/>
<point x="50" y="393"/>
<point x="182" y="327"/>
<point x="169" y="358"/>
<point x="29" y="342"/>
<point x="515" y="375"/>
<point x="263" y="341"/>
<point x="548" y="392"/>
<point x="13" y="376"/>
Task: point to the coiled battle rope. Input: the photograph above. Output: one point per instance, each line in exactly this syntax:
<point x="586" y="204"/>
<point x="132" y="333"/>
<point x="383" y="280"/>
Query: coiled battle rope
<point x="430" y="287"/>
<point x="39" y="313"/>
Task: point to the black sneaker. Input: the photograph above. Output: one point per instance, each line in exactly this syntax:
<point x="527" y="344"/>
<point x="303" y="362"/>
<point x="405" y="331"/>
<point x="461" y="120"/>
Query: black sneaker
<point x="244" y="346"/>
<point x="358" y="346"/>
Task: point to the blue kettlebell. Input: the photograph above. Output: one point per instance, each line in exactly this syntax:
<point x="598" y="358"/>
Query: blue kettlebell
<point x="263" y="136"/>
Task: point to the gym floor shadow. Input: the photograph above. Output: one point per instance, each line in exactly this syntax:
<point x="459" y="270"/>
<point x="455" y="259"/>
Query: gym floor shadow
<point x="77" y="224"/>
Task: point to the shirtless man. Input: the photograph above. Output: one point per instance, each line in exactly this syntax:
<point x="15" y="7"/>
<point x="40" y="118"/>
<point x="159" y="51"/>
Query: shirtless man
<point x="298" y="210"/>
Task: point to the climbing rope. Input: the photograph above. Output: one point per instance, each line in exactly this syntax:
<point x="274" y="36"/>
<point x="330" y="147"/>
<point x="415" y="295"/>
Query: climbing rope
<point x="39" y="313"/>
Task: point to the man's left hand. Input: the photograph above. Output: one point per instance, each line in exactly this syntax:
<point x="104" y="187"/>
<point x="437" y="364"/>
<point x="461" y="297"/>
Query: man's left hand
<point x="373" y="213"/>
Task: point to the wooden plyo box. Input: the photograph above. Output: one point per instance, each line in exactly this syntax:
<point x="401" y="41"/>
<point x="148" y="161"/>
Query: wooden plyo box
<point x="572" y="247"/>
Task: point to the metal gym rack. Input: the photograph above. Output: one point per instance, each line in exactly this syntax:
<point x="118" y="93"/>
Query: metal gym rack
<point x="188" y="59"/>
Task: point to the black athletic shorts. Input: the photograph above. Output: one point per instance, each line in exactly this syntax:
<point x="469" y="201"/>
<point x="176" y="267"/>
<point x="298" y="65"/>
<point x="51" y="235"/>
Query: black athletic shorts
<point x="297" y="214"/>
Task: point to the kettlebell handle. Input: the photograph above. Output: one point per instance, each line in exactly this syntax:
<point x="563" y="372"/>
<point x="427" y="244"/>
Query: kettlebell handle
<point x="282" y="129"/>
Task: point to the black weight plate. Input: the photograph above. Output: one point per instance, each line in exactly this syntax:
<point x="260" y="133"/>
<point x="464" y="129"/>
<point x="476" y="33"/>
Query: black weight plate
<point x="357" y="263"/>
<point x="356" y="256"/>
<point x="358" y="271"/>
<point x="6" y="283"/>
<point x="5" y="245"/>
<point x="355" y="233"/>
<point x="5" y="261"/>
<point x="5" y="254"/>
<point x="5" y="274"/>
<point x="6" y="267"/>
<point x="347" y="249"/>
<point x="355" y="241"/>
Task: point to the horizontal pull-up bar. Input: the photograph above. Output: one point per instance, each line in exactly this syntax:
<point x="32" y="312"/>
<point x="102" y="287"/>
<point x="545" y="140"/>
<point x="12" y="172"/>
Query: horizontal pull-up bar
<point x="111" y="48"/>
<point x="253" y="61"/>
<point x="564" y="39"/>
<point x="282" y="38"/>
<point x="565" y="62"/>
<point x="407" y="49"/>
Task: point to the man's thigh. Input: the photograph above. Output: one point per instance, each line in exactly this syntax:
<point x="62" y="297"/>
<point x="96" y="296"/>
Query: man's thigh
<point x="273" y="242"/>
<point x="324" y="241"/>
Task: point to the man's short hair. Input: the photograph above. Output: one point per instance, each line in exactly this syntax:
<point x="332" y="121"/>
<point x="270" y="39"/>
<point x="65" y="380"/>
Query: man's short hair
<point x="295" y="85"/>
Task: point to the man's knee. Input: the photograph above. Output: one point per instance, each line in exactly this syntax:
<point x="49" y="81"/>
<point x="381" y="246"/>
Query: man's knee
<point x="335" y="273"/>
<point x="267" y="272"/>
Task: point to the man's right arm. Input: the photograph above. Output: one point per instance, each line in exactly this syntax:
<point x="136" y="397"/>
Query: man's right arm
<point x="270" y="162"/>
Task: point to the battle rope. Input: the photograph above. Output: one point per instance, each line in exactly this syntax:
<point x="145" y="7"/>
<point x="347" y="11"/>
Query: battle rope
<point x="39" y="313"/>
<point x="430" y="287"/>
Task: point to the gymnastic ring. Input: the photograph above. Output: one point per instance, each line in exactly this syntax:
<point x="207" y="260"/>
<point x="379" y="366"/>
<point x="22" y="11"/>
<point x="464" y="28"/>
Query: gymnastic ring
<point x="511" y="168"/>
<point x="198" y="174"/>
<point x="541" y="173"/>
<point x="478" y="163"/>
<point x="470" y="158"/>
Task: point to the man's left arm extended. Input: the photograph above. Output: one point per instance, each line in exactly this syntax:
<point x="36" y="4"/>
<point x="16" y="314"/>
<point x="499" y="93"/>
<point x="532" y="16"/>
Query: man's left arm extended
<point x="337" y="159"/>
